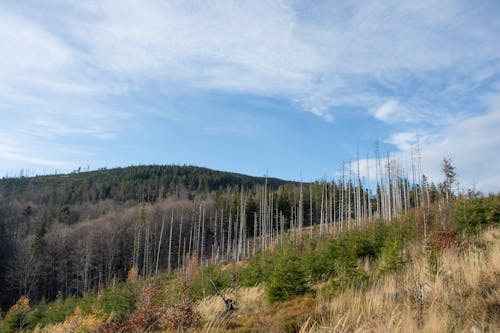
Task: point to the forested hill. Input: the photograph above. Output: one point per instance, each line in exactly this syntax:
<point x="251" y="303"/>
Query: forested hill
<point x="75" y="232"/>
<point x="137" y="183"/>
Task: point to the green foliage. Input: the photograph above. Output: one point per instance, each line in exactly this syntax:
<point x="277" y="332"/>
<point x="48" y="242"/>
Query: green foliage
<point x="85" y="303"/>
<point x="288" y="278"/>
<point x="170" y="289"/>
<point x="473" y="215"/>
<point x="39" y="243"/>
<point x="54" y="312"/>
<point x="432" y="256"/>
<point x="258" y="270"/>
<point x="44" y="313"/>
<point x="391" y="258"/>
<point x="288" y="272"/>
<point x="37" y="314"/>
<point x="17" y="316"/>
<point x="13" y="322"/>
<point x="349" y="275"/>
<point x="120" y="301"/>
<point x="203" y="284"/>
<point x="449" y="173"/>
<point x="139" y="183"/>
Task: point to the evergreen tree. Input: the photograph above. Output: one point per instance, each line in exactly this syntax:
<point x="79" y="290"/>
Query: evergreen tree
<point x="450" y="176"/>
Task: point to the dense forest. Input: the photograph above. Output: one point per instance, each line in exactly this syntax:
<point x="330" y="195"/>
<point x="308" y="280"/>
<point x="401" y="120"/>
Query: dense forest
<point x="76" y="233"/>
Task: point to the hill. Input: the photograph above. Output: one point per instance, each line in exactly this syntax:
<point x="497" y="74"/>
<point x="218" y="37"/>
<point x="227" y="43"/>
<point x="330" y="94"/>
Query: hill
<point x="77" y="238"/>
<point x="75" y="232"/>
<point x="139" y="183"/>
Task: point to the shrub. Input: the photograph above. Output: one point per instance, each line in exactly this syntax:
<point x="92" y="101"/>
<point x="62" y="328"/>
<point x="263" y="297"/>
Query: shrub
<point x="202" y="285"/>
<point x="287" y="279"/>
<point x="16" y="318"/>
<point x="391" y="258"/>
<point x="151" y="315"/>
<point x="119" y="302"/>
<point x="347" y="275"/>
<point x="258" y="270"/>
<point x="37" y="314"/>
<point x="473" y="215"/>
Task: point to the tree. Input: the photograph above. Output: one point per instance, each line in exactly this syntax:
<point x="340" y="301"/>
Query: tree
<point x="450" y="176"/>
<point x="287" y="279"/>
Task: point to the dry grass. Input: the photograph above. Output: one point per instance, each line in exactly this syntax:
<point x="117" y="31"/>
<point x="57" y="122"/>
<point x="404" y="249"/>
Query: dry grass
<point x="75" y="323"/>
<point x="248" y="301"/>
<point x="464" y="296"/>
<point x="285" y="316"/>
<point x="254" y="314"/>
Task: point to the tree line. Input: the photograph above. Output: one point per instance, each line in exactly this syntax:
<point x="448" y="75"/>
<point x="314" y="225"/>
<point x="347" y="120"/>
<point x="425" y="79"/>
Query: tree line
<point x="62" y="234"/>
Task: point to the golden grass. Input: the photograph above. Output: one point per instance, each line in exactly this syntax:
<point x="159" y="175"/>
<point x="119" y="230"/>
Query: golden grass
<point x="74" y="324"/>
<point x="464" y="296"/>
<point x="248" y="301"/>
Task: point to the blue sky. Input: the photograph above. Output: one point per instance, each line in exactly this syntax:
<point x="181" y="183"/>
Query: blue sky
<point x="289" y="88"/>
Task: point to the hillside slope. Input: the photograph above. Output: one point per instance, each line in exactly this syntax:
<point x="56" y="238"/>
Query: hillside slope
<point x="76" y="232"/>
<point x="434" y="269"/>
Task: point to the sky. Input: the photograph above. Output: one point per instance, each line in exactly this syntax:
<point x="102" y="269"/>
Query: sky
<point x="288" y="89"/>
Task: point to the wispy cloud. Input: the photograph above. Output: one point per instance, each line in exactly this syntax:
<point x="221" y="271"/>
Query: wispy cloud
<point x="16" y="154"/>
<point x="275" y="49"/>
<point x="73" y="69"/>
<point x="473" y="144"/>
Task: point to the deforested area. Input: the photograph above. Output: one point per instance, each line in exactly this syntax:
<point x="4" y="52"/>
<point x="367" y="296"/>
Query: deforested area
<point x="273" y="255"/>
<point x="249" y="166"/>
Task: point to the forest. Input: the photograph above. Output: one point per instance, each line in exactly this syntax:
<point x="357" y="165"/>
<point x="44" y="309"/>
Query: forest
<point x="72" y="233"/>
<point x="79" y="232"/>
<point x="79" y="237"/>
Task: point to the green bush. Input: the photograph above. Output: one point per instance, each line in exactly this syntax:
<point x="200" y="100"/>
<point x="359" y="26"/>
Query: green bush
<point x="287" y="279"/>
<point x="473" y="215"/>
<point x="119" y="301"/>
<point x="391" y="257"/>
<point x="209" y="276"/>
<point x="348" y="275"/>
<point x="258" y="270"/>
<point x="86" y="303"/>
<point x="16" y="318"/>
<point x="316" y="264"/>
<point x="58" y="310"/>
<point x="13" y="323"/>
<point x="37" y="314"/>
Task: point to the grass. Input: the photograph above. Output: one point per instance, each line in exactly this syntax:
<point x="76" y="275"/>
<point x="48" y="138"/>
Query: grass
<point x="464" y="296"/>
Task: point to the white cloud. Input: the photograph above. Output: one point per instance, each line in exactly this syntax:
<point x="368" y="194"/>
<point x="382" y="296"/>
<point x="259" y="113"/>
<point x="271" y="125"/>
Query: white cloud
<point x="28" y="49"/>
<point x="402" y="62"/>
<point x="473" y="144"/>
<point x="10" y="153"/>
<point x="322" y="59"/>
<point x="388" y="111"/>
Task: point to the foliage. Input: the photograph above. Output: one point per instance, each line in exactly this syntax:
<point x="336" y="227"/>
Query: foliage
<point x="139" y="183"/>
<point x="209" y="281"/>
<point x="449" y="173"/>
<point x="258" y="269"/>
<point x="391" y="258"/>
<point x="349" y="275"/>
<point x="288" y="278"/>
<point x="473" y="215"/>
<point x="119" y="301"/>
<point x="17" y="317"/>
